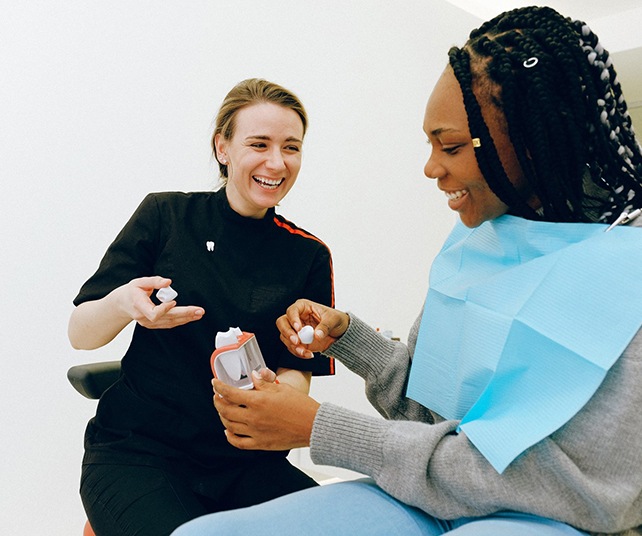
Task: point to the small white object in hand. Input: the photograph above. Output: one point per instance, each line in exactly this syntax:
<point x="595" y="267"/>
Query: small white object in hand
<point x="306" y="334"/>
<point x="166" y="294"/>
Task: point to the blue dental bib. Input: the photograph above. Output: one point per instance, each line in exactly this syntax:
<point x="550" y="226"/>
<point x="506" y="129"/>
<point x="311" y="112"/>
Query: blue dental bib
<point x="522" y="322"/>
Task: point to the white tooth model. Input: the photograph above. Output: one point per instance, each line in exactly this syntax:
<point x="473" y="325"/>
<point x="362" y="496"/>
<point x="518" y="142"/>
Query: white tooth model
<point x="166" y="294"/>
<point x="306" y="334"/>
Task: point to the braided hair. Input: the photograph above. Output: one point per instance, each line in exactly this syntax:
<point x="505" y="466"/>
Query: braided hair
<point x="563" y="109"/>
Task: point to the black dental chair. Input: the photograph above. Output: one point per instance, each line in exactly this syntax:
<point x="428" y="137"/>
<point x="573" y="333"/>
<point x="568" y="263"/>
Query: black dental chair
<point x="91" y="380"/>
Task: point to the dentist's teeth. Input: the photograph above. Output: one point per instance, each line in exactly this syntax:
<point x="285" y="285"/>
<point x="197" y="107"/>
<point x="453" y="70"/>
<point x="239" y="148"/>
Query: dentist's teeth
<point x="267" y="182"/>
<point x="455" y="195"/>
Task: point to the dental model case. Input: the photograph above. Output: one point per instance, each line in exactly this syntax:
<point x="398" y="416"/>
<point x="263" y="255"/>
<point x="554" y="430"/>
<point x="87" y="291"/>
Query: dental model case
<point x="236" y="355"/>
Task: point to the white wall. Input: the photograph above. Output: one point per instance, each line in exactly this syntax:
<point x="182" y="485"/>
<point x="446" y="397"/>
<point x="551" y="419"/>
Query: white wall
<point x="101" y="103"/>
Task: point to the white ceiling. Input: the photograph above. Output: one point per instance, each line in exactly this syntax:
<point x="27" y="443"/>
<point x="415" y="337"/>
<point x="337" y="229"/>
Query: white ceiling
<point x="586" y="10"/>
<point x="617" y="22"/>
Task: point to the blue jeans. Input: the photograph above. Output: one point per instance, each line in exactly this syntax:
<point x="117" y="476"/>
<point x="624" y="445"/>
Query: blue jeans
<point x="360" y="507"/>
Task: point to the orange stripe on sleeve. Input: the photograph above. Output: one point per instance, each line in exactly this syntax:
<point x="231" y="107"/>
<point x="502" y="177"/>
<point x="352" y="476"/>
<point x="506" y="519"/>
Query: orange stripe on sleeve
<point x="292" y="228"/>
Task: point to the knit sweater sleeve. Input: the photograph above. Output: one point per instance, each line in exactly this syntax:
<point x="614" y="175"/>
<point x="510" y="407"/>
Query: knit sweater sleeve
<point x="586" y="474"/>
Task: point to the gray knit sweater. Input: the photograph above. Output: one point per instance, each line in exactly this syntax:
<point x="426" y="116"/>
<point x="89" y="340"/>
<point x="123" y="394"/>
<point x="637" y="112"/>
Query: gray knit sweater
<point x="587" y="474"/>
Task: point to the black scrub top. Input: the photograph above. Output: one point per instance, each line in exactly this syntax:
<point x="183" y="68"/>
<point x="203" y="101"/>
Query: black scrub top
<point x="244" y="272"/>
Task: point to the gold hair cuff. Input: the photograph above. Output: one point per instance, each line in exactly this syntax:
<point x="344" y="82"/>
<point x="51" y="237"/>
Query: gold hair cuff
<point x="476" y="142"/>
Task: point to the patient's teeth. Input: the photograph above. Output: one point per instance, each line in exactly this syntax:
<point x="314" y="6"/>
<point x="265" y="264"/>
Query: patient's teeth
<point x="455" y="195"/>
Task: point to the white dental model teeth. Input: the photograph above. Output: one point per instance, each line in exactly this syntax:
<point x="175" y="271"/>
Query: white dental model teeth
<point x="306" y="334"/>
<point x="166" y="294"/>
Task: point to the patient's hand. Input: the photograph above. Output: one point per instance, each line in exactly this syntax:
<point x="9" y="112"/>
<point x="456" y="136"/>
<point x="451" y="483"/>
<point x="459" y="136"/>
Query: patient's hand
<point x="272" y="416"/>
<point x="328" y="323"/>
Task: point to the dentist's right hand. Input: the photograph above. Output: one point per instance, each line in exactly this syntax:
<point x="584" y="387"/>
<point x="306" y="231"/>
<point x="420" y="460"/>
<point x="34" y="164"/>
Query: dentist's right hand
<point x="95" y="323"/>
<point x="135" y="301"/>
<point x="329" y="324"/>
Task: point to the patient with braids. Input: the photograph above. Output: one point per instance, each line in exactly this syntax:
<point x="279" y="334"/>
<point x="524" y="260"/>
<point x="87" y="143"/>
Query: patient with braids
<point x="515" y="406"/>
<point x="565" y="113"/>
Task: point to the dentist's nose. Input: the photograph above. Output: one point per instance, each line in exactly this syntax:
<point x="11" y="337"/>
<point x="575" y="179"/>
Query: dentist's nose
<point x="275" y="160"/>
